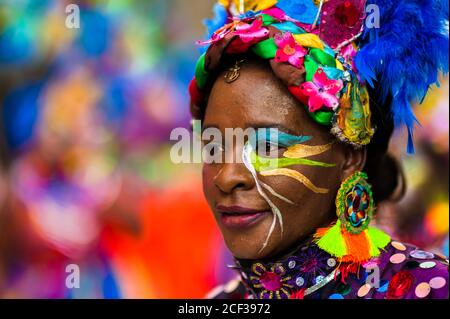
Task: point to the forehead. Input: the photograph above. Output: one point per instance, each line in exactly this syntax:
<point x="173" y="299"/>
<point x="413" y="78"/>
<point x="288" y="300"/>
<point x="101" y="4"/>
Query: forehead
<point x="256" y="99"/>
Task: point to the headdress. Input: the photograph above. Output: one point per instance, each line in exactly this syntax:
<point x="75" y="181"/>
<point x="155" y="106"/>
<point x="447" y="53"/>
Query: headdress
<point x="328" y="52"/>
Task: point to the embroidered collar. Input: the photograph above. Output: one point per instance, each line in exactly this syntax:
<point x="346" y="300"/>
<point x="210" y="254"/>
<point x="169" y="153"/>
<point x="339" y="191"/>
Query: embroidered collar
<point x="303" y="272"/>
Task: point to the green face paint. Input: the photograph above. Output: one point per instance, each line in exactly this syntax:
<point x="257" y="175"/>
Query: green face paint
<point x="279" y="139"/>
<point x="262" y="164"/>
<point x="295" y="154"/>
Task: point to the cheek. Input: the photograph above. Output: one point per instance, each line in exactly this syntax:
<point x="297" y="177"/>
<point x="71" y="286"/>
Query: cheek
<point x="208" y="174"/>
<point x="311" y="207"/>
<point x="299" y="181"/>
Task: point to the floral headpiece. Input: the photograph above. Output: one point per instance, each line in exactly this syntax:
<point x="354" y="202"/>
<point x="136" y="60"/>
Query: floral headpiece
<point x="325" y="52"/>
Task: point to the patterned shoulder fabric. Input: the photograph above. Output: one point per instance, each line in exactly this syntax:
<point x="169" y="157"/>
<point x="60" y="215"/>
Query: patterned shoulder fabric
<point x="404" y="272"/>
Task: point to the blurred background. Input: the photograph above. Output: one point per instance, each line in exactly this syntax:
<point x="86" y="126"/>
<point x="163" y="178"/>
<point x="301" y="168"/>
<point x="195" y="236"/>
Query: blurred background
<point x="85" y="173"/>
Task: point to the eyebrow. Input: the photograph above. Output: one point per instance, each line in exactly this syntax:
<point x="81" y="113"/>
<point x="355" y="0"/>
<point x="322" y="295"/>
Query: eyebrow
<point x="280" y="127"/>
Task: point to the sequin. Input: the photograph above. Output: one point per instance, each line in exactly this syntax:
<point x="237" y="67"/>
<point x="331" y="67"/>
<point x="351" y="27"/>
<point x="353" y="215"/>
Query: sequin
<point x="364" y="290"/>
<point x="428" y="265"/>
<point x="336" y="296"/>
<point x="319" y="279"/>
<point x="420" y="254"/>
<point x="437" y="282"/>
<point x="384" y="284"/>
<point x="331" y="262"/>
<point x="292" y="264"/>
<point x="398" y="246"/>
<point x="423" y="290"/>
<point x="300" y="281"/>
<point x="397" y="258"/>
<point x="400" y="285"/>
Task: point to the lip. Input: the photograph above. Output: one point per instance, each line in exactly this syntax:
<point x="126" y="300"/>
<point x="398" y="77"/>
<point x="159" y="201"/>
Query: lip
<point x="240" y="217"/>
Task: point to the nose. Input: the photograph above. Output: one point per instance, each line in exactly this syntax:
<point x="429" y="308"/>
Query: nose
<point x="232" y="176"/>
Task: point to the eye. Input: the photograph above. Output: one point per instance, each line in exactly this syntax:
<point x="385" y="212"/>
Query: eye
<point x="269" y="149"/>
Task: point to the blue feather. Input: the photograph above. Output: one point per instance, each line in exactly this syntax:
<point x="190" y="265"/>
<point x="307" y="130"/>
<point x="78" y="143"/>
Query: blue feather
<point x="405" y="55"/>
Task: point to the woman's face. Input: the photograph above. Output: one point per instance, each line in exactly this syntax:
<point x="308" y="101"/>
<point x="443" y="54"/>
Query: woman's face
<point x="299" y="194"/>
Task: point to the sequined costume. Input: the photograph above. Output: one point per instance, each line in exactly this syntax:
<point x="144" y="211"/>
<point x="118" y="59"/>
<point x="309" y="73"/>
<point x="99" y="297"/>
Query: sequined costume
<point x="400" y="272"/>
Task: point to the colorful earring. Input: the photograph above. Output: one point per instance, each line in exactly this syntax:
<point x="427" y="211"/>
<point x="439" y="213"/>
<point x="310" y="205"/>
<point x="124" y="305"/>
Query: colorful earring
<point x="354" y="203"/>
<point x="351" y="239"/>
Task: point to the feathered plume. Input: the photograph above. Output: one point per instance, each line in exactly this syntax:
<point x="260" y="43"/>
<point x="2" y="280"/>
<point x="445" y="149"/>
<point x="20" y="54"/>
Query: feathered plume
<point x="406" y="53"/>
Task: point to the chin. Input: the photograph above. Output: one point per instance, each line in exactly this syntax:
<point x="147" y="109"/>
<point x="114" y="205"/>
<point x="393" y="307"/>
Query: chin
<point x="248" y="243"/>
<point x="249" y="248"/>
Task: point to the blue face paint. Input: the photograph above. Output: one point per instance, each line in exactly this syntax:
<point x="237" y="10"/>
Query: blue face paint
<point x="276" y="137"/>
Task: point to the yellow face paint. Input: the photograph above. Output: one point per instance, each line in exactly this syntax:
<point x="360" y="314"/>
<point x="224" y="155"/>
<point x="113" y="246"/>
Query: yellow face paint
<point x="302" y="151"/>
<point x="296" y="154"/>
<point x="297" y="176"/>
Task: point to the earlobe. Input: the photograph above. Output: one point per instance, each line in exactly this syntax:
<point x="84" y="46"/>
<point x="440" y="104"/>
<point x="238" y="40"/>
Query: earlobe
<point x="355" y="160"/>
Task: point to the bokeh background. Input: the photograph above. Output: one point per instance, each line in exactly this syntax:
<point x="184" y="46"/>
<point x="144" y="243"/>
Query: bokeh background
<point x="85" y="174"/>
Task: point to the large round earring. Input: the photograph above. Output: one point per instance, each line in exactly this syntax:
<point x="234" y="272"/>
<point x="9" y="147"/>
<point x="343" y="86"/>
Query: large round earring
<point x="351" y="239"/>
<point x="354" y="203"/>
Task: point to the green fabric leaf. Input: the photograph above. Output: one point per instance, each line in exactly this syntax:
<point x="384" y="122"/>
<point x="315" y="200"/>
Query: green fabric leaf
<point x="268" y="20"/>
<point x="266" y="49"/>
<point x="323" y="58"/>
<point x="311" y="67"/>
<point x="201" y="75"/>
<point x="322" y="117"/>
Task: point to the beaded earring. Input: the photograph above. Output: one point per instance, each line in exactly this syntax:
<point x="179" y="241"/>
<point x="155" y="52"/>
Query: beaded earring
<point x="351" y="239"/>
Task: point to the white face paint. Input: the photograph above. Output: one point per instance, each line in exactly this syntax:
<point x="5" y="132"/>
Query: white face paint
<point x="246" y="157"/>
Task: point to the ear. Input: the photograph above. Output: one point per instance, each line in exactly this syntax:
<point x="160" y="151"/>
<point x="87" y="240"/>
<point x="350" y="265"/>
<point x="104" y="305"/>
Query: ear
<point x="355" y="160"/>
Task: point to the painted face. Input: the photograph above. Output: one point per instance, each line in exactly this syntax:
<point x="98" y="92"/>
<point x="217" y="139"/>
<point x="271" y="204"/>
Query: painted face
<point x="267" y="204"/>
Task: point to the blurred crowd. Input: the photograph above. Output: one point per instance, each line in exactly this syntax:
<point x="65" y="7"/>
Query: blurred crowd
<point x="85" y="173"/>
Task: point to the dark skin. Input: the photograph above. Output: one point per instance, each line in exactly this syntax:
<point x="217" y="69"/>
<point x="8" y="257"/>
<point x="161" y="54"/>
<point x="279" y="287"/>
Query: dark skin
<point x="258" y="99"/>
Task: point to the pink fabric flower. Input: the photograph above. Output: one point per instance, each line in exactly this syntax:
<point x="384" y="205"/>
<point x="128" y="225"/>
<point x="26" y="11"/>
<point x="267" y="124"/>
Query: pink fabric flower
<point x="251" y="32"/>
<point x="322" y="91"/>
<point x="247" y="32"/>
<point x="289" y="50"/>
<point x="219" y="34"/>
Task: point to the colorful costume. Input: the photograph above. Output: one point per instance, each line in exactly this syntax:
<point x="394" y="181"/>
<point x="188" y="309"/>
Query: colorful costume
<point x="330" y="54"/>
<point x="310" y="273"/>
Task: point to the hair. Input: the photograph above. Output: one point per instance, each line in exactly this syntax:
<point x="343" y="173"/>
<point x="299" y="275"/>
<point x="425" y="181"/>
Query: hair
<point x="384" y="171"/>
